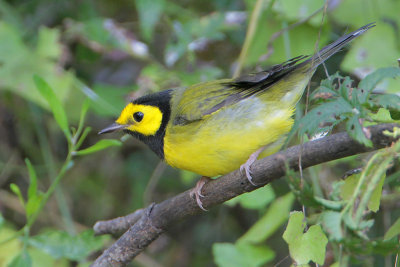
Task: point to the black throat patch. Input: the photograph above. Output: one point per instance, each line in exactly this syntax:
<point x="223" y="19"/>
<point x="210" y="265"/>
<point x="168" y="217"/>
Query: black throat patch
<point x="162" y="101"/>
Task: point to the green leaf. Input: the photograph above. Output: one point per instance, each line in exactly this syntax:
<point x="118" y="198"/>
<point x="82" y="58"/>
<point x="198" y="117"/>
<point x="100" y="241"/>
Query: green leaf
<point x="10" y="14"/>
<point x="331" y="221"/>
<point x="295" y="227"/>
<point x="32" y="189"/>
<point x="84" y="110"/>
<point x="299" y="10"/>
<point x="34" y="199"/>
<point x="313" y="246"/>
<point x="9" y="249"/>
<point x="60" y="244"/>
<point x="350" y="185"/>
<point x="17" y="52"/>
<point x="371" y="81"/>
<point x="21" y="260"/>
<point x="327" y="112"/>
<point x="395" y="114"/>
<point x="17" y="191"/>
<point x="283" y="47"/>
<point x="42" y="259"/>
<point x="275" y="216"/>
<point x="106" y="100"/>
<point x="257" y="199"/>
<point x="388" y="101"/>
<point x="345" y="85"/>
<point x="243" y="254"/>
<point x="344" y="14"/>
<point x="328" y="87"/>
<point x="81" y="132"/>
<point x="305" y="247"/>
<point x="149" y="15"/>
<point x="375" y="200"/>
<point x="383" y="115"/>
<point x="102" y="144"/>
<point x="55" y="104"/>
<point x="329" y="204"/>
<point x="362" y="54"/>
<point x="255" y="254"/>
<point x="356" y="131"/>
<point x="393" y="231"/>
<point x="33" y="204"/>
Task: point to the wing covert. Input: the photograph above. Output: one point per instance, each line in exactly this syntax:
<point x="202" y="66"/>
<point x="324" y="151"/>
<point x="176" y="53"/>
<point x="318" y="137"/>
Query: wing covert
<point x="193" y="103"/>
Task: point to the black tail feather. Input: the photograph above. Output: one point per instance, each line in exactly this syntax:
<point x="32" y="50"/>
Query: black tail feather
<point x="334" y="47"/>
<point x="259" y="81"/>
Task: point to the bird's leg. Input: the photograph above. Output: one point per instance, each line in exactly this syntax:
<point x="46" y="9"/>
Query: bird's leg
<point x="245" y="167"/>
<point x="196" y="192"/>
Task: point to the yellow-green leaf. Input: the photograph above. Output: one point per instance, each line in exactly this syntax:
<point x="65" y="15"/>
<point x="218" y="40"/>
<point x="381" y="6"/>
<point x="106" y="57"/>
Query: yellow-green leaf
<point x="55" y="104"/>
<point x="305" y="247"/>
<point x="102" y="144"/>
<point x="149" y="14"/>
<point x="21" y="260"/>
<point x="32" y="189"/>
<point x="375" y="200"/>
<point x="63" y="245"/>
<point x="17" y="191"/>
<point x="241" y="254"/>
<point x="350" y="184"/>
<point x="393" y="231"/>
<point x="331" y="221"/>
<point x="256" y="199"/>
<point x="275" y="216"/>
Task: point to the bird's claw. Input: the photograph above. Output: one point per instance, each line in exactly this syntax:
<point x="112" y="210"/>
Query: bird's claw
<point x="245" y="169"/>
<point x="196" y="192"/>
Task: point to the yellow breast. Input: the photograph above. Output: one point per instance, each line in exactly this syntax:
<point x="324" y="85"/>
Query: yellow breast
<point x="222" y="141"/>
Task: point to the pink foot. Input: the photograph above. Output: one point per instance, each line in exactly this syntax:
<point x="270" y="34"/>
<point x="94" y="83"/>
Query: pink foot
<point x="196" y="192"/>
<point x="245" y="168"/>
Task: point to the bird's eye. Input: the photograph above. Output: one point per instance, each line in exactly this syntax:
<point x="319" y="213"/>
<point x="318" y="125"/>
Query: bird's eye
<point x="138" y="116"/>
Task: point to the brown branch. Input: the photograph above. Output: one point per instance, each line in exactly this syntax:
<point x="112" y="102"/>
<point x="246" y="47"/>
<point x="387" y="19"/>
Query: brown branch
<point x="117" y="225"/>
<point x="157" y="218"/>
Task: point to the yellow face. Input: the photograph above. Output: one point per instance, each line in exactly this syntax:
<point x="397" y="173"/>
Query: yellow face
<point x="142" y="119"/>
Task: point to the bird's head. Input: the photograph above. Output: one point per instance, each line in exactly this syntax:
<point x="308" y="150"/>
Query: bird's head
<point x="140" y="119"/>
<point x="146" y="118"/>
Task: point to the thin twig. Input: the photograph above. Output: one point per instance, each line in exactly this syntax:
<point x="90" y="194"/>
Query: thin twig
<point x="153" y="181"/>
<point x="250" y="33"/>
<point x="282" y="260"/>
<point x="117" y="225"/>
<point x="270" y="47"/>
<point x="307" y="100"/>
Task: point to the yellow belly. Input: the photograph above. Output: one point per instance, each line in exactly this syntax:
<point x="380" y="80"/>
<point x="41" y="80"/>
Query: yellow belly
<point x="224" y="140"/>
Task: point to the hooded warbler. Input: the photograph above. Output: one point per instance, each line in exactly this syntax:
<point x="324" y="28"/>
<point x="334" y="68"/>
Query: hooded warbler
<point x="213" y="128"/>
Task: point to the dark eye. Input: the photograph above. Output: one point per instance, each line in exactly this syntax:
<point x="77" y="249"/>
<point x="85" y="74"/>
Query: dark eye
<point x="138" y="116"/>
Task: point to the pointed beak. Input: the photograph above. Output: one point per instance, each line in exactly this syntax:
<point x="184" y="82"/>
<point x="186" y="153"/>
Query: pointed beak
<point x="112" y="128"/>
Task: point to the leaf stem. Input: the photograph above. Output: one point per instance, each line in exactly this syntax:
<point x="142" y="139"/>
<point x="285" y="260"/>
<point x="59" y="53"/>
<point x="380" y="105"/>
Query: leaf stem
<point x="250" y="34"/>
<point x="361" y="181"/>
<point x="82" y="138"/>
<point x="370" y="188"/>
<point x="82" y="117"/>
<point x="51" y="189"/>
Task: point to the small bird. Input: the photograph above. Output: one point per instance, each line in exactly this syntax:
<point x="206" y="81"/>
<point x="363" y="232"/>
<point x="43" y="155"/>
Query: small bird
<point x="213" y="128"/>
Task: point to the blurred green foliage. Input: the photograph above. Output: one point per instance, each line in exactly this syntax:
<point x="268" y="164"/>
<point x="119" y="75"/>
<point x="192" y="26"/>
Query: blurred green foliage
<point x="90" y="57"/>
